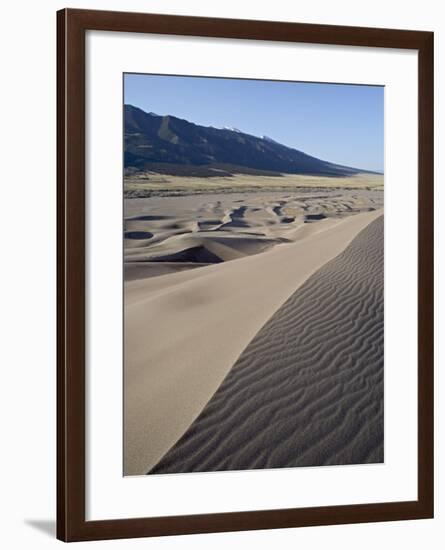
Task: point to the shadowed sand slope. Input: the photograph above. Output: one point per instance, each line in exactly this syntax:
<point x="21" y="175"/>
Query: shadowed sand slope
<point x="308" y="389"/>
<point x="184" y="331"/>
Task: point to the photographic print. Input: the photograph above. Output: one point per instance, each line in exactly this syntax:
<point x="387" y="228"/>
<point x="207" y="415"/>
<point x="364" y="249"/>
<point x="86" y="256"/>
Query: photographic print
<point x="242" y="341"/>
<point x="253" y="274"/>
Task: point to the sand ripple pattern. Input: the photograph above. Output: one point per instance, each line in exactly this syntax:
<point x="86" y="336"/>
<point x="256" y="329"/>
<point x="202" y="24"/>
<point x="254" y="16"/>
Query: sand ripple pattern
<point x="308" y="389"/>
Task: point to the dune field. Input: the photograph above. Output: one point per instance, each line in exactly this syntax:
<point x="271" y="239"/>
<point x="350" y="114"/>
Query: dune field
<point x="253" y="329"/>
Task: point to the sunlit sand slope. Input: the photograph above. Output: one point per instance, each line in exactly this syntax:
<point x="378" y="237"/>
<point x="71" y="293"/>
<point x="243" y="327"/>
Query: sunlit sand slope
<point x="184" y="331"/>
<point x="308" y="389"/>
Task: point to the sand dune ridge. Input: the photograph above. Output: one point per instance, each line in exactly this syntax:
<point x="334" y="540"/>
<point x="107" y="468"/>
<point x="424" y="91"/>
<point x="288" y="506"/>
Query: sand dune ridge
<point x="308" y="389"/>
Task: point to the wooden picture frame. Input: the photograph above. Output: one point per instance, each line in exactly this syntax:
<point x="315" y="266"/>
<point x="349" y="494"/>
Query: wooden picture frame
<point x="72" y="25"/>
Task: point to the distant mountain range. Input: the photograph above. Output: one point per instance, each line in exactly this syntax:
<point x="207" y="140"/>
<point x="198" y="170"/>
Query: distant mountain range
<point x="167" y="144"/>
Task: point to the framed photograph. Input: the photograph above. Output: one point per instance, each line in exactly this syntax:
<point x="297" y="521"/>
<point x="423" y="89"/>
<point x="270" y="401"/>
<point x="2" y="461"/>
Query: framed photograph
<point x="245" y="275"/>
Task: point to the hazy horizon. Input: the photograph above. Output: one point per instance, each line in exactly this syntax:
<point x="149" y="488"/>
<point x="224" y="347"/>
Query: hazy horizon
<point x="339" y="123"/>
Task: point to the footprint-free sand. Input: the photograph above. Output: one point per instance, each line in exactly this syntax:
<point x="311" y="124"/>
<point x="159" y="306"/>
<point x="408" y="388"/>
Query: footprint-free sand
<point x="187" y="331"/>
<point x="308" y="389"/>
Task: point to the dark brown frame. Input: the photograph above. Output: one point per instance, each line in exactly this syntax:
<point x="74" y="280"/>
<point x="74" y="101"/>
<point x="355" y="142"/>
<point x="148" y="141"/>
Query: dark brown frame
<point x="71" y="27"/>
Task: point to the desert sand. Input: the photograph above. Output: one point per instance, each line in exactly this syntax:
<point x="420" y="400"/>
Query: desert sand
<point x="175" y="233"/>
<point x="308" y="389"/>
<point x="187" y="329"/>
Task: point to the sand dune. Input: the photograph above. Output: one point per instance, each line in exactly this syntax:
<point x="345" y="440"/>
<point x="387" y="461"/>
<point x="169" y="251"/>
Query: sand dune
<point x="308" y="389"/>
<point x="185" y="330"/>
<point x="203" y="229"/>
<point x="144" y="270"/>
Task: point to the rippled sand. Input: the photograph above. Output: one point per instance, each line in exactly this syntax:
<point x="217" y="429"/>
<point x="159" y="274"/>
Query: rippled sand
<point x="308" y="389"/>
<point x="205" y="276"/>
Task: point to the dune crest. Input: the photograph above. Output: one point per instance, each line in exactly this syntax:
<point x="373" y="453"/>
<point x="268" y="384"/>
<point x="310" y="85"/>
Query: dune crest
<point x="184" y="331"/>
<point x="308" y="389"/>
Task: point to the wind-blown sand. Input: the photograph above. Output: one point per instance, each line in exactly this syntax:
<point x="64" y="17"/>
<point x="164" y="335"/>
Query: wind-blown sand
<point x="308" y="389"/>
<point x="184" y="331"/>
<point x="168" y="234"/>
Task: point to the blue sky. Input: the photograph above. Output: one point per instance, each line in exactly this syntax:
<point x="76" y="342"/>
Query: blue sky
<point x="340" y="123"/>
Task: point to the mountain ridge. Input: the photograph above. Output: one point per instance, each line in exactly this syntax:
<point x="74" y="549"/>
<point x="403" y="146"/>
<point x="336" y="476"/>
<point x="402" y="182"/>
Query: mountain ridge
<point x="168" y="144"/>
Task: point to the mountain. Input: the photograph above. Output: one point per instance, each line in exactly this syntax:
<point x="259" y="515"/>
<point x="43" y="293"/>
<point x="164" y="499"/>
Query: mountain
<point x="167" y="144"/>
